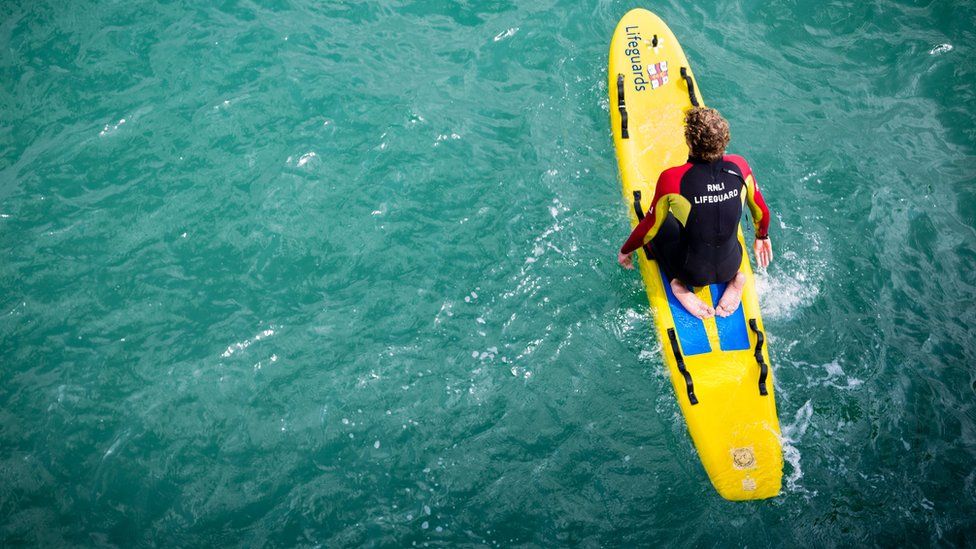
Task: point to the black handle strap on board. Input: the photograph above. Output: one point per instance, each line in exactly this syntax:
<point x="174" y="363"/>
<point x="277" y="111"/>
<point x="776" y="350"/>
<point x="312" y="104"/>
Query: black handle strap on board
<point x="691" y="86"/>
<point x="763" y="369"/>
<point x="640" y="217"/>
<point x="681" y="367"/>
<point x="622" y="107"/>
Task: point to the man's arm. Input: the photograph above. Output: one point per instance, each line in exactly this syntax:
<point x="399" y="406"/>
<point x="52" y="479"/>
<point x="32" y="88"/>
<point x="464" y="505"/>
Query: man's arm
<point x="754" y="198"/>
<point x="762" y="247"/>
<point x="667" y="185"/>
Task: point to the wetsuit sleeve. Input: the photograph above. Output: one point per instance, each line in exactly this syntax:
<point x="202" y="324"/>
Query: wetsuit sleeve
<point x="754" y="198"/>
<point x="644" y="232"/>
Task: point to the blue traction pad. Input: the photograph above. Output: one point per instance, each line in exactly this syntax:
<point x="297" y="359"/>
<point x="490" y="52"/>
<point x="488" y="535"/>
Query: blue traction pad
<point x="691" y="331"/>
<point x="732" y="335"/>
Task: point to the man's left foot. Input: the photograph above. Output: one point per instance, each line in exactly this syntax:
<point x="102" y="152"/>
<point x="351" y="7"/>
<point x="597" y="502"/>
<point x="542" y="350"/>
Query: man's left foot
<point x="732" y="297"/>
<point x="691" y="302"/>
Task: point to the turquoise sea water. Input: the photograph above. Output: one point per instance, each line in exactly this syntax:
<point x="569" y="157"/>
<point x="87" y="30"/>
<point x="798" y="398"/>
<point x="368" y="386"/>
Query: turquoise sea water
<point x="337" y="274"/>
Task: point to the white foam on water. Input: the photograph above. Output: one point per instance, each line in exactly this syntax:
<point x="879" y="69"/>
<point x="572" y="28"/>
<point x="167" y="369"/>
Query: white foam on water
<point x="647" y="355"/>
<point x="783" y="292"/>
<point x="833" y="374"/>
<point x="111" y="128"/>
<point x="116" y="444"/>
<point x="836" y="373"/>
<point x="445" y="310"/>
<point x="629" y="321"/>
<point x="792" y="433"/>
<point x="940" y="49"/>
<point x="247" y="343"/>
<point x="306" y="158"/>
<point x="526" y="283"/>
<point x="488" y="354"/>
<point x="17" y="306"/>
<point x="506" y="34"/>
<point x="445" y="137"/>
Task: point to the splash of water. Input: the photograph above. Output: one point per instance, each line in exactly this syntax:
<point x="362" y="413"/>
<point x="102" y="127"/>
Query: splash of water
<point x="792" y="434"/>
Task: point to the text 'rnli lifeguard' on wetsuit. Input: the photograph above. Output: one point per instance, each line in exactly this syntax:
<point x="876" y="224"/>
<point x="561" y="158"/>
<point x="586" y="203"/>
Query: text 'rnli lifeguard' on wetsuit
<point x="692" y="223"/>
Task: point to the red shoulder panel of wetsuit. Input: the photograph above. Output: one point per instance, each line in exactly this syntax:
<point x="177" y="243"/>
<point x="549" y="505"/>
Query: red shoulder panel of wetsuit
<point x="670" y="181"/>
<point x="740" y="163"/>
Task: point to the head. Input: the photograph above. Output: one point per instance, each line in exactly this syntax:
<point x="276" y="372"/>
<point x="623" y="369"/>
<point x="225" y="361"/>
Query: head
<point x="707" y="133"/>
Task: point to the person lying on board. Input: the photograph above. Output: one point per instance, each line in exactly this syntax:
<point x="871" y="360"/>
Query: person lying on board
<point x="692" y="226"/>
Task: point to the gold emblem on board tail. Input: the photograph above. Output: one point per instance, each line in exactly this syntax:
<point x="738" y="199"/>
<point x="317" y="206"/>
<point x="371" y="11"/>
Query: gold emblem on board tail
<point x="743" y="458"/>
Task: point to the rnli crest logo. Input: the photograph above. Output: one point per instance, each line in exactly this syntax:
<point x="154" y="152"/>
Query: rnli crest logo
<point x="658" y="74"/>
<point x="743" y="458"/>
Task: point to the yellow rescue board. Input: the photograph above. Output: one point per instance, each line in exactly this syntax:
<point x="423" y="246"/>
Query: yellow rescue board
<point x="733" y="425"/>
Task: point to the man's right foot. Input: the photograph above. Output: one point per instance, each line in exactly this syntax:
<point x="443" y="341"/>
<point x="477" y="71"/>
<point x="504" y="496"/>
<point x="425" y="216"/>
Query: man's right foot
<point x="691" y="302"/>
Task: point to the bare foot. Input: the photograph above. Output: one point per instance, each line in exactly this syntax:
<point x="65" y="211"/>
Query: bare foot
<point x="691" y="302"/>
<point x="732" y="296"/>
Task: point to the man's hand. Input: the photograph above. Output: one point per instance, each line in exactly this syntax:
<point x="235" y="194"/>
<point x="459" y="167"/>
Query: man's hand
<point x="764" y="252"/>
<point x="626" y="260"/>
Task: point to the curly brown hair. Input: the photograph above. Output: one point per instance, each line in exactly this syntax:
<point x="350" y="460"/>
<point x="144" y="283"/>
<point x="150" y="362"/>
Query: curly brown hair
<point x="707" y="133"/>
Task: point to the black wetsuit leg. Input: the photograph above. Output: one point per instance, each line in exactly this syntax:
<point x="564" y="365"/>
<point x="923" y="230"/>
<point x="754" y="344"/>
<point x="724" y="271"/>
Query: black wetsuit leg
<point x="669" y="250"/>
<point x="728" y="267"/>
<point x="706" y="264"/>
<point x="702" y="266"/>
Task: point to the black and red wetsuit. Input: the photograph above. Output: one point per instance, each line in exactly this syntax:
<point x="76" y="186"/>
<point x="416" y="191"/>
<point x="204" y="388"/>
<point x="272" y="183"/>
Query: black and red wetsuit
<point x="692" y="223"/>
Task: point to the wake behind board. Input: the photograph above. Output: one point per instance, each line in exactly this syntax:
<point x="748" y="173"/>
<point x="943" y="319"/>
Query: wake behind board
<point x="719" y="367"/>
